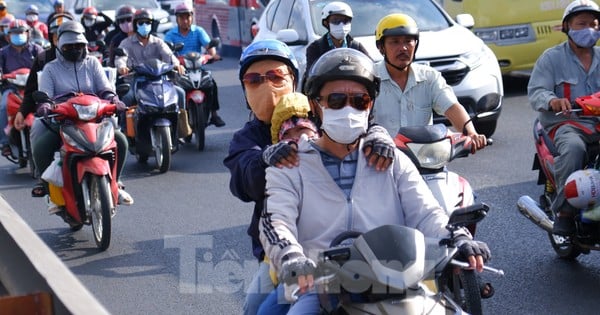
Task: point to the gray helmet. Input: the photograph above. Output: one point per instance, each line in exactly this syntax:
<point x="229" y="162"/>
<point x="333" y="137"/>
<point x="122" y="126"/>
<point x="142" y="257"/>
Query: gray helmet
<point x="342" y="64"/>
<point x="71" y="32"/>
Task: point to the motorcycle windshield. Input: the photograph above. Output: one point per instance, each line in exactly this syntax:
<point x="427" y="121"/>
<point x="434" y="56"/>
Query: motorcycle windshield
<point x="153" y="68"/>
<point x="155" y="94"/>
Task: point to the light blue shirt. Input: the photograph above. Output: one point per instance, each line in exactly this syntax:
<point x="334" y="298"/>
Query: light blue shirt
<point x="426" y="90"/>
<point x="555" y="69"/>
<point x="192" y="42"/>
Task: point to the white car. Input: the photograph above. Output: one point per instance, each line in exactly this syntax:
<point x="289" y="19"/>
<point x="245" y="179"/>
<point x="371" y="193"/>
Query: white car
<point x="464" y="60"/>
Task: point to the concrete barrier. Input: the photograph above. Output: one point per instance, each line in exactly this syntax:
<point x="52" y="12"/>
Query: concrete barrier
<point x="27" y="266"/>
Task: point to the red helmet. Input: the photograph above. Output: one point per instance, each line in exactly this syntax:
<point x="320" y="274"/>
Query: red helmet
<point x="18" y="25"/>
<point x="90" y="12"/>
<point x="183" y="8"/>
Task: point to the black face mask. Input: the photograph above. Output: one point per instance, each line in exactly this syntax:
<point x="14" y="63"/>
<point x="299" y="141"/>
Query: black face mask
<point x="74" y="54"/>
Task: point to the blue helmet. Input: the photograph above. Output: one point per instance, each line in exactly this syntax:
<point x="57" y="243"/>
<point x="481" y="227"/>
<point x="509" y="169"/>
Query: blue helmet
<point x="268" y="49"/>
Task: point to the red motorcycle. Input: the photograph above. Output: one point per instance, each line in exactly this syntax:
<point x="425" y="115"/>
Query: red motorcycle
<point x="89" y="194"/>
<point x="19" y="140"/>
<point x="587" y="235"/>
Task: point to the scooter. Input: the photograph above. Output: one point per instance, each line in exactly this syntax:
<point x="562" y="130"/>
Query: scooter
<point x="431" y="148"/>
<point x="87" y="163"/>
<point x="391" y="269"/>
<point x="18" y="140"/>
<point x="587" y="234"/>
<point x="197" y="83"/>
<point x="151" y="124"/>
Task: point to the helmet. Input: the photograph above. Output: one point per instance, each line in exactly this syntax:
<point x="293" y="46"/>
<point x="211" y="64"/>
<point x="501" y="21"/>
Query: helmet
<point x="395" y="24"/>
<point x="268" y="49"/>
<point x="141" y="14"/>
<point x="32" y="9"/>
<point x="582" y="188"/>
<point x="578" y="6"/>
<point x="335" y="7"/>
<point x="18" y="25"/>
<point x="90" y="12"/>
<point x="5" y="21"/>
<point x="124" y="11"/>
<point x="183" y="8"/>
<point x="57" y="20"/>
<point x="58" y="3"/>
<point x="342" y="64"/>
<point x="71" y="32"/>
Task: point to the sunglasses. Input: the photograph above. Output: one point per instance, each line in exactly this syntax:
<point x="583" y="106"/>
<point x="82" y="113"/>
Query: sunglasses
<point x="275" y="76"/>
<point x="339" y="20"/>
<point x="2" y="8"/>
<point x="359" y="101"/>
<point x="144" y="22"/>
<point x="125" y="20"/>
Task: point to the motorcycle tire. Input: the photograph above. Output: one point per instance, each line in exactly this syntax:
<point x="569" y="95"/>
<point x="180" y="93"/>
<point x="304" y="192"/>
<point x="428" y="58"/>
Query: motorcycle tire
<point x="162" y="151"/>
<point x="101" y="206"/>
<point x="30" y="162"/>
<point x="564" y="247"/>
<point x="463" y="288"/>
<point x="200" y="121"/>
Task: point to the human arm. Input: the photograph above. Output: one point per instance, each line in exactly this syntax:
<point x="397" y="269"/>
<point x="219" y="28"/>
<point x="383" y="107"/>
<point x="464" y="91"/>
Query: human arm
<point x="379" y="147"/>
<point x="461" y="121"/>
<point x="121" y="61"/>
<point x="104" y="24"/>
<point x="540" y="89"/>
<point x="167" y="55"/>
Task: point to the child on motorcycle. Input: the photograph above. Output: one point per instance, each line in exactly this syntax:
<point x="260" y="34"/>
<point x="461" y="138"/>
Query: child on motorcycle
<point x="291" y="121"/>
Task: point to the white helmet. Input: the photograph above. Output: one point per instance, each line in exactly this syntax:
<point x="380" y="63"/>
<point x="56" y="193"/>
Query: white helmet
<point x="335" y="7"/>
<point x="580" y="6"/>
<point x="582" y="188"/>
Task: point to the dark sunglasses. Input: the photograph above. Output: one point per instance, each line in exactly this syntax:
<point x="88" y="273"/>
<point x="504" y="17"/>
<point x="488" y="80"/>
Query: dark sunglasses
<point x="125" y="20"/>
<point x="2" y="8"/>
<point x="275" y="76"/>
<point x="359" y="101"/>
<point x="144" y="22"/>
<point x="338" y="20"/>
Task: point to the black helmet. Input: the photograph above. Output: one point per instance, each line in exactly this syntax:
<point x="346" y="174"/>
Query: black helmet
<point x="342" y="64"/>
<point x="57" y="20"/>
<point x="124" y="11"/>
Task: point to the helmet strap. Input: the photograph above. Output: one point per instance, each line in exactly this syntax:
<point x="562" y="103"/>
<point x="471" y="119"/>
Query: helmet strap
<point x="387" y="61"/>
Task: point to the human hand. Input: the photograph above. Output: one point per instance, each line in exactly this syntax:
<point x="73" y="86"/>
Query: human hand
<point x="281" y="154"/>
<point x="123" y="71"/>
<point x="121" y="107"/>
<point x="479" y="142"/>
<point x="298" y="270"/>
<point x="560" y="105"/>
<point x="43" y="110"/>
<point x="476" y="253"/>
<point x="19" y="121"/>
<point x="180" y="69"/>
<point x="379" y="148"/>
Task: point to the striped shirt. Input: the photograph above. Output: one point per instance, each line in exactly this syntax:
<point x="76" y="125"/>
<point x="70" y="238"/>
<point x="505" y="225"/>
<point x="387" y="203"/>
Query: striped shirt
<point x="342" y="171"/>
<point x="195" y="39"/>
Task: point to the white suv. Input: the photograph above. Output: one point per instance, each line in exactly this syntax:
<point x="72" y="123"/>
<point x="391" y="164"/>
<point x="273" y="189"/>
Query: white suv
<point x="466" y="63"/>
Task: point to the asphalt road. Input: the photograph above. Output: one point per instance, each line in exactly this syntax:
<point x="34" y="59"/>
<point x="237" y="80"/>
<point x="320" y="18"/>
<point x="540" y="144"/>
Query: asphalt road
<point x="182" y="248"/>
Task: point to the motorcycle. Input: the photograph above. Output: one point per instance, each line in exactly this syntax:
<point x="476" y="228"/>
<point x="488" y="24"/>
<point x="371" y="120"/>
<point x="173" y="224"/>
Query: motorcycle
<point x="431" y="148"/>
<point x="151" y="124"/>
<point x="19" y="142"/>
<point x="89" y="192"/>
<point x="391" y="269"/>
<point x="587" y="232"/>
<point x="197" y="83"/>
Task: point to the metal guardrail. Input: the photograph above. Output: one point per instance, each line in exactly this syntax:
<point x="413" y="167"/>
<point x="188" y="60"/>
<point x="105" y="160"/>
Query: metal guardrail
<point x="27" y="266"/>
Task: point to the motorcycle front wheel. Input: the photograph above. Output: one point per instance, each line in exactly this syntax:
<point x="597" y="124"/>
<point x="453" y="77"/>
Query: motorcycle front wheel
<point x="162" y="151"/>
<point x="200" y="120"/>
<point x="463" y="287"/>
<point x="100" y="205"/>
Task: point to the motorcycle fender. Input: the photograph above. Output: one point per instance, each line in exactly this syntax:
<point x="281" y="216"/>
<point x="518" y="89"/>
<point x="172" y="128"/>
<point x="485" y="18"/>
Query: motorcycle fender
<point x="161" y="122"/>
<point x="197" y="96"/>
<point x="450" y="190"/>
<point x="94" y="165"/>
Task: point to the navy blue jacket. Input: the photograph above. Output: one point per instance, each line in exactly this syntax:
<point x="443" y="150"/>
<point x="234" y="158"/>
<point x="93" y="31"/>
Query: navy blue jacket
<point x="247" y="169"/>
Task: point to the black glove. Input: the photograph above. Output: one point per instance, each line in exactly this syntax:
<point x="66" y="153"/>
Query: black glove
<point x="121" y="107"/>
<point x="274" y="153"/>
<point x="294" y="267"/>
<point x="44" y="109"/>
<point x="378" y="138"/>
<point x="468" y="247"/>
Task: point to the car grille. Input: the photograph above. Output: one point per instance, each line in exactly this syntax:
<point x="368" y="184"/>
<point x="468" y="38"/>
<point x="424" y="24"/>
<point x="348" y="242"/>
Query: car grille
<point x="452" y="70"/>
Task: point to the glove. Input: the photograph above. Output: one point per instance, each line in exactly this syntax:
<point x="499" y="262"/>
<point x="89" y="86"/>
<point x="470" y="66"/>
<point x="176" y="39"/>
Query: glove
<point x="294" y="267"/>
<point x="43" y="110"/>
<point x="121" y="107"/>
<point x="382" y="144"/>
<point x="274" y="153"/>
<point x="468" y="247"/>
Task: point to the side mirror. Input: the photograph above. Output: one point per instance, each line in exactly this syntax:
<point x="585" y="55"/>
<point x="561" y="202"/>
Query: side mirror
<point x="468" y="215"/>
<point x="178" y="47"/>
<point x="120" y="52"/>
<point x="215" y="42"/>
<point x="41" y="97"/>
<point x="122" y="89"/>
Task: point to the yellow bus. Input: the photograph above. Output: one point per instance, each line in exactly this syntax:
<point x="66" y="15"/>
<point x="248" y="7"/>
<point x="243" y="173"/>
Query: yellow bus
<point x="518" y="31"/>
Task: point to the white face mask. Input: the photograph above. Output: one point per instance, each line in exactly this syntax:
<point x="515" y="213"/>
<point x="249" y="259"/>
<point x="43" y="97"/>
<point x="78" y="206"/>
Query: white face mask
<point x="88" y="22"/>
<point x="344" y="125"/>
<point x="31" y="17"/>
<point x="340" y="31"/>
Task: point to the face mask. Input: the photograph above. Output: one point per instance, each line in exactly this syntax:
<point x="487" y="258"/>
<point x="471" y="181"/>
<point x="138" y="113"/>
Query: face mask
<point x="339" y="31"/>
<point x="126" y="27"/>
<point x="344" y="125"/>
<point x="263" y="98"/>
<point x="31" y="17"/>
<point x="585" y="38"/>
<point x="74" y="54"/>
<point x="18" y="39"/>
<point x="144" y="29"/>
<point x="88" y="22"/>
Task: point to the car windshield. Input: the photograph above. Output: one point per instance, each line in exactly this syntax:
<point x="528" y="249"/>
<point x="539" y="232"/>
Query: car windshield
<point x="102" y="5"/>
<point x="368" y="13"/>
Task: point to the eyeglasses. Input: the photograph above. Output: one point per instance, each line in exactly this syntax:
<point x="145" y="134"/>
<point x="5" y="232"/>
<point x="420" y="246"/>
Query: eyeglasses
<point x="359" y="101"/>
<point x="338" y="20"/>
<point x="2" y="8"/>
<point x="139" y="23"/>
<point x="275" y="76"/>
<point x="125" y="20"/>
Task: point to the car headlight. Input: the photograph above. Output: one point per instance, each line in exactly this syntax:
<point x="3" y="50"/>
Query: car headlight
<point x="163" y="20"/>
<point x="87" y="112"/>
<point x="432" y="155"/>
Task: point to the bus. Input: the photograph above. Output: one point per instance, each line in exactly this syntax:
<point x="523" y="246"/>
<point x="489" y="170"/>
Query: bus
<point x="234" y="21"/>
<point x="517" y="31"/>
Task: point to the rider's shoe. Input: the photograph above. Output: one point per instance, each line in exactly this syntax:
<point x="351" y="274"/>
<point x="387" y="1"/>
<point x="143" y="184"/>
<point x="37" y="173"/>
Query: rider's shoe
<point x="217" y="121"/>
<point x="564" y="224"/>
<point x="125" y="198"/>
<point x="52" y="207"/>
<point x="6" y="151"/>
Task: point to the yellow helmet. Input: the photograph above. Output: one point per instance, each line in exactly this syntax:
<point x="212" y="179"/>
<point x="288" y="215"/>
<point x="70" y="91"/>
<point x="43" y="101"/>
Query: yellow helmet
<point x="395" y="24"/>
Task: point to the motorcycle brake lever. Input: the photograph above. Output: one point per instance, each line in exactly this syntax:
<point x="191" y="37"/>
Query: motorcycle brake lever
<point x="462" y="264"/>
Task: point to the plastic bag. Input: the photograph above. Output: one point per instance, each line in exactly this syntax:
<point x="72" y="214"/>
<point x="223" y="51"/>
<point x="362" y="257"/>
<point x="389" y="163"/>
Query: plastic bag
<point x="53" y="174"/>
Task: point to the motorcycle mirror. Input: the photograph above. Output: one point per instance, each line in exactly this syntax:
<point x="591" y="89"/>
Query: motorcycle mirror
<point x="468" y="215"/>
<point x="40" y="97"/>
<point x="100" y="43"/>
<point x="178" y="47"/>
<point x="122" y="89"/>
<point x="120" y="52"/>
<point x="215" y="42"/>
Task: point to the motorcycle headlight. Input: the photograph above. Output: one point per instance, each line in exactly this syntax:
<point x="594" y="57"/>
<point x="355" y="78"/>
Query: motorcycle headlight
<point x="432" y="155"/>
<point x="87" y="112"/>
<point x="104" y="135"/>
<point x="75" y="137"/>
